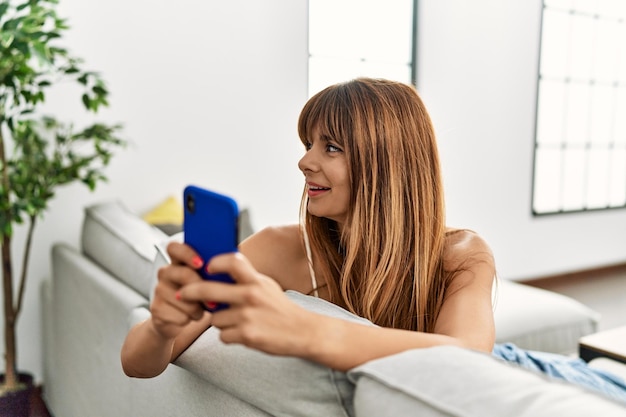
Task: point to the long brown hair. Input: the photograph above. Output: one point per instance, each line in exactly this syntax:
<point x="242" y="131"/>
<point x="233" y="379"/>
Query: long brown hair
<point x="386" y="264"/>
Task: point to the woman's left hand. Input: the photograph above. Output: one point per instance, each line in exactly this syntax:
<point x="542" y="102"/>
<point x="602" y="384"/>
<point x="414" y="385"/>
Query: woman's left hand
<point x="259" y="315"/>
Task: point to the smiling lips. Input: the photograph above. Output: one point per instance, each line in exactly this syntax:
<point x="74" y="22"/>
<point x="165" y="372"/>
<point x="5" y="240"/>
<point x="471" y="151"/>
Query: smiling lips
<point x="314" y="190"/>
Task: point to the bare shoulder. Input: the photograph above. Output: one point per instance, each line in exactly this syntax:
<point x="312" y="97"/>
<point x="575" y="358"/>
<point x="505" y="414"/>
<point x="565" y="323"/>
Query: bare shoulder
<point x="278" y="252"/>
<point x="467" y="252"/>
<point x="285" y="239"/>
<point x="467" y="311"/>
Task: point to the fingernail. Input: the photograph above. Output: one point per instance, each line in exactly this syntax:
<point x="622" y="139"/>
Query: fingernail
<point x="178" y="296"/>
<point x="197" y="261"/>
<point x="210" y="304"/>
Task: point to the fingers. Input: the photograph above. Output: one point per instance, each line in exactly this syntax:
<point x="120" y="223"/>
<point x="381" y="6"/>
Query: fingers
<point x="183" y="287"/>
<point x="175" y="315"/>
<point x="234" y="264"/>
<point x="166" y="303"/>
<point x="213" y="292"/>
<point x="183" y="254"/>
<point x="177" y="275"/>
<point x="239" y="268"/>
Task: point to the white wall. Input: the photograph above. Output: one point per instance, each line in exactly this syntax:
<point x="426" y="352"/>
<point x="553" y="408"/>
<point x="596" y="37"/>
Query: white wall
<point x="477" y="69"/>
<point x="210" y="92"/>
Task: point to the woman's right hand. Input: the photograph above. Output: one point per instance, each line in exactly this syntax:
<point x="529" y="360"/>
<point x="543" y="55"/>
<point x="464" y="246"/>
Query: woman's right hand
<point x="170" y="314"/>
<point x="174" y="324"/>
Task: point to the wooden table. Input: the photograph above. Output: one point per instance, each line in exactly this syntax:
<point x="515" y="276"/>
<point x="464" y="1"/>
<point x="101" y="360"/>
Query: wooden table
<point x="609" y="344"/>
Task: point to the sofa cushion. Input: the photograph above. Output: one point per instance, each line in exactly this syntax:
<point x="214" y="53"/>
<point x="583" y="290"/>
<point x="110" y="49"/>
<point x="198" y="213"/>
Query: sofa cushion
<point x="537" y="319"/>
<point x="450" y="381"/>
<point x="166" y="216"/>
<point x="278" y="385"/>
<point x="122" y="243"/>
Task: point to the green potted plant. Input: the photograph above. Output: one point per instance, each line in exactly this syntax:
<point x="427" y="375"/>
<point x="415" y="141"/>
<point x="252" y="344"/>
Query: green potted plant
<point x="39" y="153"/>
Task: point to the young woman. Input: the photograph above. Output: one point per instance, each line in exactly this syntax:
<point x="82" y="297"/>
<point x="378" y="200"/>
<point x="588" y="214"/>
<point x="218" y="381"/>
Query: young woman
<point x="372" y="240"/>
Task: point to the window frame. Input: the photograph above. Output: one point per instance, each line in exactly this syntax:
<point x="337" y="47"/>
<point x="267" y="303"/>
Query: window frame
<point x="413" y="47"/>
<point x="611" y="148"/>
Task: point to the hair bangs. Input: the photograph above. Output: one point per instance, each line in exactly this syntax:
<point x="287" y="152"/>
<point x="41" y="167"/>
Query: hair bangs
<point x="328" y="114"/>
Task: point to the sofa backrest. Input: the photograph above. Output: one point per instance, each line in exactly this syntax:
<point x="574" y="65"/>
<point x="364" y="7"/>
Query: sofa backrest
<point x="122" y="243"/>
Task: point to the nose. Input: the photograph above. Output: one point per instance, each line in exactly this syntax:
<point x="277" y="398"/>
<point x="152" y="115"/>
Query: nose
<point x="308" y="162"/>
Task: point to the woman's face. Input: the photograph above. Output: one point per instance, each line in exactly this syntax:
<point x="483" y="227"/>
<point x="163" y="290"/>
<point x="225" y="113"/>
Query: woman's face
<point x="325" y="169"/>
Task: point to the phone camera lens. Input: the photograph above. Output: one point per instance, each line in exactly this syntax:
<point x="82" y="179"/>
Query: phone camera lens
<point x="191" y="204"/>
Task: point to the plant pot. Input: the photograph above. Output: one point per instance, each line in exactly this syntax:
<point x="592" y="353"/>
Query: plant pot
<point x="17" y="403"/>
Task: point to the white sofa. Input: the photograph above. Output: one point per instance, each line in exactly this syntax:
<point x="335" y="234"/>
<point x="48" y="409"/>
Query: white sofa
<point x="96" y="292"/>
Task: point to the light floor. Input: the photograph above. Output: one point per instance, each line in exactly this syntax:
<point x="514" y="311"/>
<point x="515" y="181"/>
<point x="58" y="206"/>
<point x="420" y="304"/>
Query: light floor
<point x="603" y="291"/>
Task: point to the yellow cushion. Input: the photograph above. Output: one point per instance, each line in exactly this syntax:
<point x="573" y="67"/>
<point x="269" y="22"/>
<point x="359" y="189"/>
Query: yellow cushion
<point x="169" y="212"/>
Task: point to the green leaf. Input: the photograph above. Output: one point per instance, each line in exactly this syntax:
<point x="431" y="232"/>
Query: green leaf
<point x="86" y="101"/>
<point x="3" y="8"/>
<point x="99" y="90"/>
<point x="6" y="39"/>
<point x="83" y="79"/>
<point x="61" y="24"/>
<point x="7" y="229"/>
<point x="23" y="48"/>
<point x="10" y="25"/>
<point x="41" y="52"/>
<point x="53" y="35"/>
<point x="72" y="70"/>
<point x="57" y="52"/>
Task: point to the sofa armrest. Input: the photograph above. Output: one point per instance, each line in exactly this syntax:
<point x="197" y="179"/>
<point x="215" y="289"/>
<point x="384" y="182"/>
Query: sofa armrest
<point x="450" y="381"/>
<point x="537" y="319"/>
<point x="89" y="309"/>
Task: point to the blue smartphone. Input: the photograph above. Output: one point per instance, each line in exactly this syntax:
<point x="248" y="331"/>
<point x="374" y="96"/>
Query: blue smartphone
<point x="210" y="227"/>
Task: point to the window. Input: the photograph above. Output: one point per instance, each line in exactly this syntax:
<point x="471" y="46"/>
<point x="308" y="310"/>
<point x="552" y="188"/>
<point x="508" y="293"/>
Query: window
<point x="351" y="38"/>
<point x="580" y="141"/>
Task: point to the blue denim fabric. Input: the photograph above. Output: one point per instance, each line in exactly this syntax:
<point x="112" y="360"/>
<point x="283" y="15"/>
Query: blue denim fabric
<point x="573" y="370"/>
